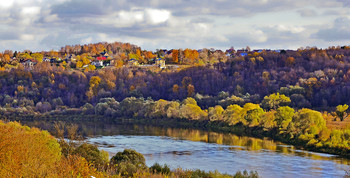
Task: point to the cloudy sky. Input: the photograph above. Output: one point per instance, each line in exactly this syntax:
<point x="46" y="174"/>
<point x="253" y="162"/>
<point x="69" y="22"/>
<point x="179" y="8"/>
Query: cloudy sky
<point x="49" y="24"/>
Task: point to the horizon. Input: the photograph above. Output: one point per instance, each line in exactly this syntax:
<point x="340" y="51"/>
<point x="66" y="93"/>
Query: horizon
<point x="224" y="49"/>
<point x="39" y="25"/>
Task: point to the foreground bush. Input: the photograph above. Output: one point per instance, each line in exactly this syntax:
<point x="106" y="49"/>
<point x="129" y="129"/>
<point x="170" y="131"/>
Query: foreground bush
<point x="128" y="162"/>
<point x="30" y="152"/>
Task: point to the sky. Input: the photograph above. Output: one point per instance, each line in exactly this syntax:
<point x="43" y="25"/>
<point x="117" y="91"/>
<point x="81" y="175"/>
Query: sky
<point x="38" y="25"/>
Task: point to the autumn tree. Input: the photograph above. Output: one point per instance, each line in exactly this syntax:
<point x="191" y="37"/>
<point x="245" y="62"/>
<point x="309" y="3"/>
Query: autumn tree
<point x="274" y="101"/>
<point x="6" y="58"/>
<point x="37" y="56"/>
<point x="93" y="89"/>
<point x="341" y="111"/>
<point x="284" y="116"/>
<point x="175" y="56"/>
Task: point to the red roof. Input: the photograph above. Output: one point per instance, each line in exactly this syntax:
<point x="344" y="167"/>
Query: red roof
<point x="31" y="60"/>
<point x="101" y="58"/>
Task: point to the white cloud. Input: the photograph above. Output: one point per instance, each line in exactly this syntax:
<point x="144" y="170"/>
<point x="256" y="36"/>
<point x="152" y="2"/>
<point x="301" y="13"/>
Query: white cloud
<point x="258" y="36"/>
<point x="128" y="18"/>
<point x="289" y="28"/>
<point x="156" y="16"/>
<point x="27" y="37"/>
<point x="34" y="10"/>
<point x="6" y="3"/>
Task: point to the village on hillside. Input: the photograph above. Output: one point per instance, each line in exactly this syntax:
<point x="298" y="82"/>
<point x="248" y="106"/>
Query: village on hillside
<point x="100" y="55"/>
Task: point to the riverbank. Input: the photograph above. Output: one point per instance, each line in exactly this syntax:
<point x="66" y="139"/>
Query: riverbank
<point x="207" y="125"/>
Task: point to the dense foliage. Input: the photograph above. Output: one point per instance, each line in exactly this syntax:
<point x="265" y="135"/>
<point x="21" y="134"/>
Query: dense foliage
<point x="311" y="78"/>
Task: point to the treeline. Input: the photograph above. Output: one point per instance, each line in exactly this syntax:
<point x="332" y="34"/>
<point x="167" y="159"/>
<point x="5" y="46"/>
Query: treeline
<point x="272" y="117"/>
<point x="30" y="152"/>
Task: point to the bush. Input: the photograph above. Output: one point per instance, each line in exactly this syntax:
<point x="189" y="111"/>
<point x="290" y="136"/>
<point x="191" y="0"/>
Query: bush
<point x="91" y="153"/>
<point x="128" y="162"/>
<point x="157" y="168"/>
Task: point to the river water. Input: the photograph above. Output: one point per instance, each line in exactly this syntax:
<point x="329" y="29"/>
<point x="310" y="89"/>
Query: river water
<point x="196" y="149"/>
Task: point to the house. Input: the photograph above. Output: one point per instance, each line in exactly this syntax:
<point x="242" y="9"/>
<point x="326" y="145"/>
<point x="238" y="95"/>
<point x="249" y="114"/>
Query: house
<point x="104" y="60"/>
<point x="46" y="59"/>
<point x="160" y="63"/>
<point x="258" y="50"/>
<point x="104" y="54"/>
<point x="243" y="54"/>
<point x="97" y="63"/>
<point x="101" y="58"/>
<point x="133" y="62"/>
<point x="70" y="58"/>
<point x="29" y="63"/>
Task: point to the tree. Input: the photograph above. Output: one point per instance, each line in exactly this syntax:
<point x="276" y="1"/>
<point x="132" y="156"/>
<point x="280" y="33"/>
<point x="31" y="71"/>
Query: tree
<point x="128" y="162"/>
<point x="252" y="113"/>
<point x="37" y="56"/>
<point x="232" y="114"/>
<point x="92" y="154"/>
<point x="7" y="58"/>
<point x="175" y="56"/>
<point x="341" y="111"/>
<point x="284" y="116"/>
<point x="307" y="121"/>
<point x="190" y="90"/>
<point x="27" y="152"/>
<point x="274" y="101"/>
<point x="94" y="84"/>
<point x="215" y="113"/>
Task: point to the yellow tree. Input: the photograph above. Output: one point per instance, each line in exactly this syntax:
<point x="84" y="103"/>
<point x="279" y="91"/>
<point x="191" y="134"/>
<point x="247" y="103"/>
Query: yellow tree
<point x="100" y="48"/>
<point x="37" y="56"/>
<point x="7" y="58"/>
<point x="94" y="84"/>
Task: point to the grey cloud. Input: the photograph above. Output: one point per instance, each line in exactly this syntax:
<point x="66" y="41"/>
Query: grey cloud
<point x="236" y="8"/>
<point x="339" y="31"/>
<point x="345" y="2"/>
<point x="9" y="35"/>
<point x="307" y="13"/>
<point x="70" y="22"/>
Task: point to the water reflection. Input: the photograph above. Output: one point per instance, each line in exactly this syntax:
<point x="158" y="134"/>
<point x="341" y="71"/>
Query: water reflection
<point x="222" y="151"/>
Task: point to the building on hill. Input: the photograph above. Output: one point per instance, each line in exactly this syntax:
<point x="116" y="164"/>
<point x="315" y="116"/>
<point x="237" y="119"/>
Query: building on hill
<point x="160" y="63"/>
<point x="70" y="58"/>
<point x="46" y="59"/>
<point x="104" y="60"/>
<point x="243" y="54"/>
<point x="97" y="64"/>
<point x="29" y="63"/>
<point x="133" y="62"/>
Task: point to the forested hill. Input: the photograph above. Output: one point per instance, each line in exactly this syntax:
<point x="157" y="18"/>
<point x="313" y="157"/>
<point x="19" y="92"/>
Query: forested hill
<point x="312" y="78"/>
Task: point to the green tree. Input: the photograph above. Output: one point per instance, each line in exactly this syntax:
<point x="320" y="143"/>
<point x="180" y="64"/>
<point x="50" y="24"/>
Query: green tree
<point x="252" y="113"/>
<point x="37" y="56"/>
<point x="232" y="114"/>
<point x="284" y="116"/>
<point x="341" y="111"/>
<point x="215" y="113"/>
<point x="274" y="101"/>
<point x="128" y="162"/>
<point x="92" y="154"/>
<point x="308" y="123"/>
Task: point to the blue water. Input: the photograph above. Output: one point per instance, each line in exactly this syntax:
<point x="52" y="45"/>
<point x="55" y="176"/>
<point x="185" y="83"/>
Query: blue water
<point x="188" y="154"/>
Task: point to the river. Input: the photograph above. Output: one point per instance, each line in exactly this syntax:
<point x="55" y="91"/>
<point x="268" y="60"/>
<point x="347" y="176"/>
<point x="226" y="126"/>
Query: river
<point x="196" y="149"/>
